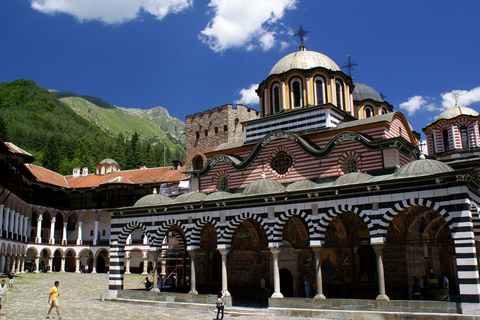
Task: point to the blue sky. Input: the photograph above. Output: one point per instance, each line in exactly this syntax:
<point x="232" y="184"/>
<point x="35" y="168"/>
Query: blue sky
<point x="192" y="55"/>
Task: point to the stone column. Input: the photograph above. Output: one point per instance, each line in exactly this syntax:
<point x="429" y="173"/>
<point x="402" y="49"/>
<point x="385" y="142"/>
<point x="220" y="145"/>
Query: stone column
<point x="52" y="231"/>
<point x="62" y="265"/>
<point x="8" y="263"/>
<point x="94" y="264"/>
<point x="16" y="265"/>
<point x="193" y="279"/>
<point x="64" y="233"/>
<point x="318" y="269"/>
<point x="224" y="253"/>
<point x="50" y="264"/>
<point x="77" y="264"/>
<point x="2" y="263"/>
<point x="37" y="264"/>
<point x="127" y="265"/>
<point x="6" y="214"/>
<point x="381" y="275"/>
<point x="12" y="222"/>
<point x="95" y="233"/>
<point x="19" y="229"/>
<point x="155" y="255"/>
<point x="79" y="237"/>
<point x="276" y="274"/>
<point x="25" y="228"/>
<point x="1" y="217"/>
<point x="22" y="263"/>
<point x="38" y="239"/>
<point x="145" y="263"/>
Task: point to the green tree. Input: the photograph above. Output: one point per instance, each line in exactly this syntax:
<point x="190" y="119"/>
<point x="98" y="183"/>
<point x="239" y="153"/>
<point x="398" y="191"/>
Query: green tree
<point x="51" y="157"/>
<point x="83" y="153"/>
<point x="3" y="129"/>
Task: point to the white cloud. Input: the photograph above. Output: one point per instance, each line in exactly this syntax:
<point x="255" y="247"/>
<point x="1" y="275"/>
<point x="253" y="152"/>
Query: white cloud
<point x="248" y="95"/>
<point x="244" y="23"/>
<point x="465" y="98"/>
<point x="416" y="103"/>
<point x="111" y="11"/>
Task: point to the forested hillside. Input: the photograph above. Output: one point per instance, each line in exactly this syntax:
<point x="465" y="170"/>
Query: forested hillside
<point x="60" y="139"/>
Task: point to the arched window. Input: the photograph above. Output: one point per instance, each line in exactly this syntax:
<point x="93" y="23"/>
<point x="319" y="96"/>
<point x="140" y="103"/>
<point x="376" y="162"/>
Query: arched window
<point x="383" y="111"/>
<point x="222" y="183"/>
<point x="296" y="99"/>
<point x="319" y="83"/>
<point x="225" y="128"/>
<point x="215" y="130"/>
<point x="368" y="112"/>
<point x="464" y="135"/>
<point x="197" y="163"/>
<point x="206" y="133"/>
<point x="275" y="97"/>
<point x="339" y="93"/>
<point x="446" y="143"/>
<point x="350" y="164"/>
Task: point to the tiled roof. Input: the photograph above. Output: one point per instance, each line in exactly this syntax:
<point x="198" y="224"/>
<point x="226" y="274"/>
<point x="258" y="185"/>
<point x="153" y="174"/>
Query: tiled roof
<point x="140" y="176"/>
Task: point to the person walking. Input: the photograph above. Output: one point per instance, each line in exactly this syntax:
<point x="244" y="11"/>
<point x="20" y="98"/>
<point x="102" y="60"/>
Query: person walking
<point x="446" y="285"/>
<point x="10" y="278"/>
<point x="220" y="304"/>
<point x="53" y="296"/>
<point x="3" y="295"/>
<point x="308" y="288"/>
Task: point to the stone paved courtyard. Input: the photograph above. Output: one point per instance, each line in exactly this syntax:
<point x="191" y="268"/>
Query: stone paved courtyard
<point x="80" y="299"/>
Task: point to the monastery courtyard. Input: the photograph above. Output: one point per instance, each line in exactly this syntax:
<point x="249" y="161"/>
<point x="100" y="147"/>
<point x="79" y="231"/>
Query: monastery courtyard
<point x="80" y="298"/>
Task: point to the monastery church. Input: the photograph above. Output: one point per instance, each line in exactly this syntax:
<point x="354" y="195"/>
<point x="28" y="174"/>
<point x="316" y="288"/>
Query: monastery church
<point x="325" y="184"/>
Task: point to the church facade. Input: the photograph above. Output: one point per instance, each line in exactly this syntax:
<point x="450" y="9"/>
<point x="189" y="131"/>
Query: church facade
<point x="323" y="192"/>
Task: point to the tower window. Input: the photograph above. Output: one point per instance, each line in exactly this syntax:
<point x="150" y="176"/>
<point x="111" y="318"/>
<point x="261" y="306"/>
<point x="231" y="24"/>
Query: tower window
<point x="206" y="133"/>
<point x="446" y="143"/>
<point x="276" y="98"/>
<point x="215" y="130"/>
<point x="319" y="91"/>
<point x="384" y="111"/>
<point x="339" y="92"/>
<point x="464" y="135"/>
<point x="296" y="93"/>
<point x="197" y="135"/>
<point x="368" y="112"/>
<point x="225" y="128"/>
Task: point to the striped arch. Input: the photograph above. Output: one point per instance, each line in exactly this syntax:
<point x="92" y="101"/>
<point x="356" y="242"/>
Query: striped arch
<point x="229" y="231"/>
<point x="163" y="229"/>
<point x="281" y="221"/>
<point x="407" y="203"/>
<point x="197" y="230"/>
<point x="122" y="237"/>
<point x="343" y="208"/>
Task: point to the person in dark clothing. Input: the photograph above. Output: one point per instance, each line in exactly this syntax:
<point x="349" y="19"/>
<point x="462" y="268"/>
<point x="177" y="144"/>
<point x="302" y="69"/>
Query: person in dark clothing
<point x="416" y="289"/>
<point x="148" y="284"/>
<point x="220" y="304"/>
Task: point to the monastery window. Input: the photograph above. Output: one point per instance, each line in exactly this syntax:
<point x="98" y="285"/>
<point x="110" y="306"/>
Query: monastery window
<point x="350" y="164"/>
<point x="319" y="83"/>
<point x="104" y="233"/>
<point x="197" y="135"/>
<point x="237" y="122"/>
<point x="339" y="92"/>
<point x="464" y="135"/>
<point x="296" y="100"/>
<point x="225" y="128"/>
<point x="446" y="144"/>
<point x="383" y="111"/>
<point x="281" y="162"/>
<point x="215" y="130"/>
<point x="275" y="97"/>
<point x="197" y="163"/>
<point x="222" y="183"/>
<point x="91" y="233"/>
<point x="206" y="133"/>
<point x="368" y="110"/>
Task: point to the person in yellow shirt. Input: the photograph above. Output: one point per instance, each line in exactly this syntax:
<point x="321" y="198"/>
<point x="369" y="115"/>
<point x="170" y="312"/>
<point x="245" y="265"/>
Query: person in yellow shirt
<point x="53" y="296"/>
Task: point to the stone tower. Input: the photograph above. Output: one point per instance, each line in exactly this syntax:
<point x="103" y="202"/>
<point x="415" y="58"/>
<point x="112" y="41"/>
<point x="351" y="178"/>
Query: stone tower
<point x="206" y="130"/>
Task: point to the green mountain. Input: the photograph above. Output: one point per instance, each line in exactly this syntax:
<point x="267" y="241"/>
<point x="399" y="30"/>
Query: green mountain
<point x="155" y="124"/>
<point x="77" y="131"/>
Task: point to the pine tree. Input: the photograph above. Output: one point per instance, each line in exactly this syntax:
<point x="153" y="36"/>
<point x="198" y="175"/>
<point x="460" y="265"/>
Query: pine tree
<point x="51" y="157"/>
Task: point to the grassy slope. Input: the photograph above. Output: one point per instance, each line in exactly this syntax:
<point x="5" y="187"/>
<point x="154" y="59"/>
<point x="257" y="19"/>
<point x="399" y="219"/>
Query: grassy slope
<point x="115" y="120"/>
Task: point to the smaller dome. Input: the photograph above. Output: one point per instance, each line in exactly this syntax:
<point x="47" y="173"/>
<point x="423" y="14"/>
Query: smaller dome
<point x="456" y="111"/>
<point x="262" y="185"/>
<point x="422" y="167"/>
<point x="190" y="196"/>
<point x="108" y="161"/>
<point x="301" y="185"/>
<point x="152" y="200"/>
<point x="363" y="92"/>
<point x="218" y="195"/>
<point x="350" y="178"/>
